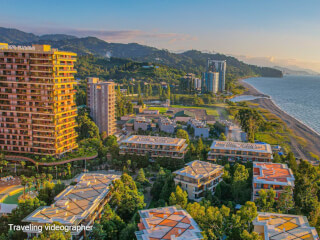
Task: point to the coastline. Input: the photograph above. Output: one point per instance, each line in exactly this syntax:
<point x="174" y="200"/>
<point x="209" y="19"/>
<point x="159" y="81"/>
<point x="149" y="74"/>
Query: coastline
<point x="299" y="128"/>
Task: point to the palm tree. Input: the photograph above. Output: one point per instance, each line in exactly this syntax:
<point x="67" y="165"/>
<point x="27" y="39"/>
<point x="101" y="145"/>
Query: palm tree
<point x="5" y="163"/>
<point x="23" y="163"/>
<point x="30" y="183"/>
<point x="69" y="169"/>
<point x="24" y="181"/>
<point x="37" y="166"/>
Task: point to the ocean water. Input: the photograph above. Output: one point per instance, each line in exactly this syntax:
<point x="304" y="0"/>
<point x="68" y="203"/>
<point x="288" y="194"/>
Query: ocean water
<point x="299" y="96"/>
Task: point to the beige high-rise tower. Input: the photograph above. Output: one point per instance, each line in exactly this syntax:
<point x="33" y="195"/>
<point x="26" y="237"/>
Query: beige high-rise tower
<point x="101" y="99"/>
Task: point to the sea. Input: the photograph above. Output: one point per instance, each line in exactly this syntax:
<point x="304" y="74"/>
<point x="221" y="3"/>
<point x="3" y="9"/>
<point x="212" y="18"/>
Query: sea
<point x="299" y="96"/>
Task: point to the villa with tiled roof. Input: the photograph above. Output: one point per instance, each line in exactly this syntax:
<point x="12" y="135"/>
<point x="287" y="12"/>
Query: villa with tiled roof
<point x="197" y="177"/>
<point x="167" y="223"/>
<point x="283" y="227"/>
<point x="271" y="175"/>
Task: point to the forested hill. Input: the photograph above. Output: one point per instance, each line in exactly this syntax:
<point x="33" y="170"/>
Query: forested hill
<point x="189" y="61"/>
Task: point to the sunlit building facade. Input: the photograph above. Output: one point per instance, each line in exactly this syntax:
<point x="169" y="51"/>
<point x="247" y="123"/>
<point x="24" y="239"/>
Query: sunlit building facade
<point x="37" y="107"/>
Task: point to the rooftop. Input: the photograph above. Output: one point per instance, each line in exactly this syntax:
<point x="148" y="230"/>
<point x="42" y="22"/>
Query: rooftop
<point x="284" y="226"/>
<point x="153" y="140"/>
<point x="199" y="169"/>
<point x="167" y="222"/>
<point x="250" y="147"/>
<point x="77" y="202"/>
<point x="167" y="121"/>
<point x="185" y="113"/>
<point x="142" y="119"/>
<point x="197" y="123"/>
<point x="35" y="48"/>
<point x="272" y="173"/>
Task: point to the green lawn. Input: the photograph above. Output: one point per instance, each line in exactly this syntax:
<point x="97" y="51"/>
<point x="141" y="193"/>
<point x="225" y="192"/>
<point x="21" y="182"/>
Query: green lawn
<point x="15" y="197"/>
<point x="161" y="109"/>
<point x="210" y="111"/>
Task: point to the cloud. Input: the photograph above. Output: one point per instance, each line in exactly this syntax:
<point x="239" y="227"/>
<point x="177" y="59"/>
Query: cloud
<point x="123" y="36"/>
<point x="272" y="61"/>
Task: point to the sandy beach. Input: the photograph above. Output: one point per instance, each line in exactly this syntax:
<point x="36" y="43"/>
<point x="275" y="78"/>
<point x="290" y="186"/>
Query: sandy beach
<point x="298" y="127"/>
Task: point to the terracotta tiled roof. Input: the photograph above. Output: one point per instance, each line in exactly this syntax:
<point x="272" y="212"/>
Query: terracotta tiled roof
<point x="163" y="223"/>
<point x="272" y="173"/>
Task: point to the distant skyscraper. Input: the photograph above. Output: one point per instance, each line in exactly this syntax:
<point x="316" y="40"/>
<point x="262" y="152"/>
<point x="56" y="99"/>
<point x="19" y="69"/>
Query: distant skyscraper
<point x="210" y="82"/>
<point x="220" y="67"/>
<point x="101" y="101"/>
<point x="197" y="83"/>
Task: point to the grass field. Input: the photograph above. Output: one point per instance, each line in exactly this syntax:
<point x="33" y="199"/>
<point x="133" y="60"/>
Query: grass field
<point x="13" y="199"/>
<point x="161" y="109"/>
<point x="210" y="111"/>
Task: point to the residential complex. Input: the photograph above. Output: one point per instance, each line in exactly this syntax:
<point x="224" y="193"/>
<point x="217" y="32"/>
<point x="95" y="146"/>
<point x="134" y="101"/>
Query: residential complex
<point x="77" y="205"/>
<point x="101" y="99"/>
<point x="198" y="177"/>
<point x="167" y="223"/>
<point x="154" y="146"/>
<point x="190" y="83"/>
<point x="234" y="132"/>
<point x="220" y="67"/>
<point x="240" y="151"/>
<point x="167" y="125"/>
<point x="271" y="175"/>
<point x="200" y="128"/>
<point x="283" y="227"/>
<point x="210" y="82"/>
<point x="142" y="123"/>
<point x="37" y="107"/>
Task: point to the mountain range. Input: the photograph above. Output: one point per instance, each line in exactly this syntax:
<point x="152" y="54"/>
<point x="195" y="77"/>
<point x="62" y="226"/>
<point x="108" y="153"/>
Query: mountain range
<point x="189" y="61"/>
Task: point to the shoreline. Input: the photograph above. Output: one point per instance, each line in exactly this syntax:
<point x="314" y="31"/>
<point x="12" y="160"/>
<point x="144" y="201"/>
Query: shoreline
<point x="298" y="127"/>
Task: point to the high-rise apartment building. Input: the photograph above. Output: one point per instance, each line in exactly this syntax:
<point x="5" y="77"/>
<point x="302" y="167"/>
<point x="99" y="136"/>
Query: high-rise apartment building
<point x="101" y="99"/>
<point x="210" y="82"/>
<point x="220" y="67"/>
<point x="37" y="107"/>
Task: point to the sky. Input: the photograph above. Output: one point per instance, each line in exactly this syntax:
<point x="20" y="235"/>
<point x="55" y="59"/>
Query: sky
<point x="265" y="32"/>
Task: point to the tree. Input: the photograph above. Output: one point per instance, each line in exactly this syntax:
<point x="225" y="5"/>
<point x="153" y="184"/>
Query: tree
<point x="266" y="200"/>
<point x="199" y="146"/>
<point x="97" y="232"/>
<point x="86" y="127"/>
<point x="292" y="161"/>
<point x="23" y="164"/>
<point x="141" y="178"/>
<point x="222" y="137"/>
<point x="179" y="197"/>
<point x="24" y="182"/>
<point x="285" y="201"/>
<point x="126" y="198"/>
<point x="183" y="134"/>
<point x="110" y="225"/>
<point x="276" y="158"/>
<point x="128" y="233"/>
<point x="248" y="213"/>
<point x="239" y="181"/>
<point x="245" y="235"/>
<point x="250" y="121"/>
<point x="53" y="234"/>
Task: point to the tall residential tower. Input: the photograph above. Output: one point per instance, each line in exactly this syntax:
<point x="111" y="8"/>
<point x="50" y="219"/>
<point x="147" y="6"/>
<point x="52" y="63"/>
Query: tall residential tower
<point x="101" y="99"/>
<point x="217" y="66"/>
<point x="37" y="107"/>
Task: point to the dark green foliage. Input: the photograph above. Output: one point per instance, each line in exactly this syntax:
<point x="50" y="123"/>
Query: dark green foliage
<point x="86" y="127"/>
<point x="162" y="187"/>
<point x="126" y="198"/>
<point x="250" y="121"/>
